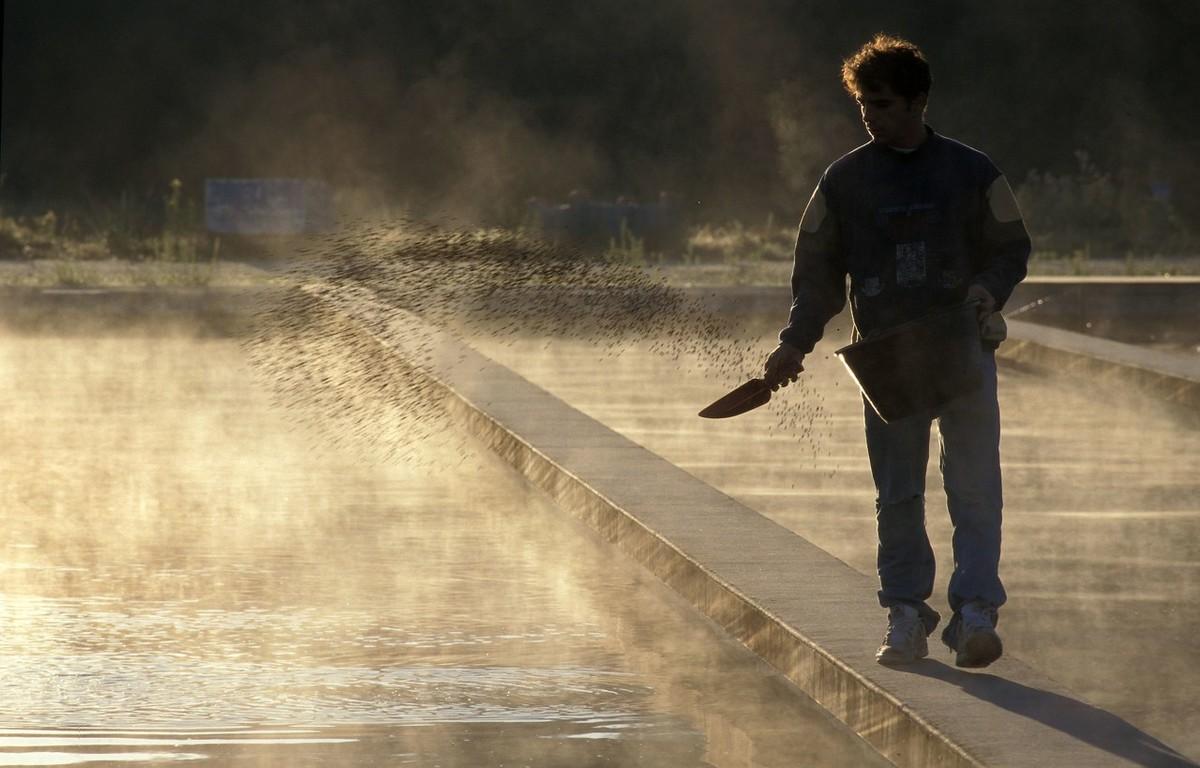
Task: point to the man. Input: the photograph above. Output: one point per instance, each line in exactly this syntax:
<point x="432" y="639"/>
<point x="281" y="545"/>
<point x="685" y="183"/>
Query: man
<point x="917" y="221"/>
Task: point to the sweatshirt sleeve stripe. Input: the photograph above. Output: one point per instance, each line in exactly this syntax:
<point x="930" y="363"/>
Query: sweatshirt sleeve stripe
<point x="1006" y="243"/>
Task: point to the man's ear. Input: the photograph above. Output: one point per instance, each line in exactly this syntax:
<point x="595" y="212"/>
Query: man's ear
<point x="919" y="102"/>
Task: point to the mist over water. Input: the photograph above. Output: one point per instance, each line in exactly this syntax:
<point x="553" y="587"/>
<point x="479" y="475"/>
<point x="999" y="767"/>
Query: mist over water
<point x="342" y="340"/>
<point x="190" y="573"/>
<point x="185" y="560"/>
<point x="1101" y="519"/>
<point x="1099" y="515"/>
<point x="278" y="548"/>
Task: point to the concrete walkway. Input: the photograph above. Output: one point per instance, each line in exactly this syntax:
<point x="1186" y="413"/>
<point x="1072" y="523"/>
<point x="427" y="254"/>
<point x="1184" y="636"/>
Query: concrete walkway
<point x="807" y="613"/>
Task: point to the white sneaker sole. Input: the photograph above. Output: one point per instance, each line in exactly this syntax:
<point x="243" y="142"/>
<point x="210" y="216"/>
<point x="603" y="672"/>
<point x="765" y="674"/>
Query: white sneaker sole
<point x="890" y="657"/>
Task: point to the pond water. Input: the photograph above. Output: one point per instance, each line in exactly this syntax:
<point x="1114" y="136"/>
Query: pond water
<point x="188" y="573"/>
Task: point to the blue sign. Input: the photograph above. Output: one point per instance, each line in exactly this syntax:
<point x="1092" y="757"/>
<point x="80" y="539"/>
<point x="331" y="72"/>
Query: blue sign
<point x="267" y="206"/>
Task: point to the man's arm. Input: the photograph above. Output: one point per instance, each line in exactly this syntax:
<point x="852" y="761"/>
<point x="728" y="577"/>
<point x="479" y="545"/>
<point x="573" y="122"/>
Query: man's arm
<point x="818" y="289"/>
<point x="1005" y="245"/>
<point x="818" y="275"/>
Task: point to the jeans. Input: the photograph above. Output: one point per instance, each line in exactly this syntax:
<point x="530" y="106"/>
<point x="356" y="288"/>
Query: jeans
<point x="969" y="428"/>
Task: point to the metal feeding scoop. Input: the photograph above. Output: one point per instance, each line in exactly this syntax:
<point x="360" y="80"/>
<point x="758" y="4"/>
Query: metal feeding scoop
<point x="747" y="397"/>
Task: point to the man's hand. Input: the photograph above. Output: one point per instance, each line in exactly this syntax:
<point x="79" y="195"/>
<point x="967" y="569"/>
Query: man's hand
<point x="784" y="365"/>
<point x="987" y="302"/>
<point x="992" y="327"/>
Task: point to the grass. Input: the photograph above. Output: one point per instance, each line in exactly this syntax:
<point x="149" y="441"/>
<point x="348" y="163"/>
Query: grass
<point x="122" y="273"/>
<point x="630" y="249"/>
<point x="45" y="252"/>
<point x="778" y="273"/>
<point x="735" y="254"/>
<point x="736" y="243"/>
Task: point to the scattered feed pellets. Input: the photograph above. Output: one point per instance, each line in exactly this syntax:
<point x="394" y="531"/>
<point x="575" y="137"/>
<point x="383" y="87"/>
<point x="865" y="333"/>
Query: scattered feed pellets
<point x="326" y="342"/>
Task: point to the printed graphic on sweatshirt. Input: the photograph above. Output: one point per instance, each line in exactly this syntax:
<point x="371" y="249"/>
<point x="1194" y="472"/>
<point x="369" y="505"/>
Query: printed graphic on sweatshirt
<point x="910" y="264"/>
<point x="908" y="226"/>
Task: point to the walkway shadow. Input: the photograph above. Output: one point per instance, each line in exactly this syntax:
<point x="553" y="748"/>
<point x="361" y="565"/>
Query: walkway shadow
<point x="1073" y="717"/>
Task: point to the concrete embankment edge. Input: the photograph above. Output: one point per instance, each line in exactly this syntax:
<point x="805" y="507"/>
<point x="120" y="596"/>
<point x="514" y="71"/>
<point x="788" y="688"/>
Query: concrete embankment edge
<point x="1164" y="376"/>
<point x="806" y="613"/>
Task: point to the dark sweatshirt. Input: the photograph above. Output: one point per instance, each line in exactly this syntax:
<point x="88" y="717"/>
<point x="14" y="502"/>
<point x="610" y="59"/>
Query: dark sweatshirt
<point x="912" y="230"/>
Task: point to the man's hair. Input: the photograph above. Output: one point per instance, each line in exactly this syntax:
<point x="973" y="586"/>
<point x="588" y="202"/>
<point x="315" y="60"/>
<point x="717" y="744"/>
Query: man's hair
<point x="890" y="61"/>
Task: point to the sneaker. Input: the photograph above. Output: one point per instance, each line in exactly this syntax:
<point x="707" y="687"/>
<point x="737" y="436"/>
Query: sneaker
<point x="975" y="640"/>
<point x="905" y="641"/>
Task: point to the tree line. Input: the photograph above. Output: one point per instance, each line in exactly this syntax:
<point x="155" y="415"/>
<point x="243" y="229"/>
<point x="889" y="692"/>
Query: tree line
<point x="470" y="107"/>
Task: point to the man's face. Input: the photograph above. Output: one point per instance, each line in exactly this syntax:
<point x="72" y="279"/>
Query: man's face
<point x="890" y="118"/>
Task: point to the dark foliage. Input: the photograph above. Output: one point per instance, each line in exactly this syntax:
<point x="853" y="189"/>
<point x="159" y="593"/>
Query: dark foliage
<point x="470" y="106"/>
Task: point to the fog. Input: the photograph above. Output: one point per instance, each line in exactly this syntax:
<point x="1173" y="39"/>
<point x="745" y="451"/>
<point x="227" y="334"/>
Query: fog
<point x="310" y="347"/>
<point x="189" y="572"/>
<point x="1099" y="512"/>
<point x="1100" y="555"/>
<point x="252" y="524"/>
